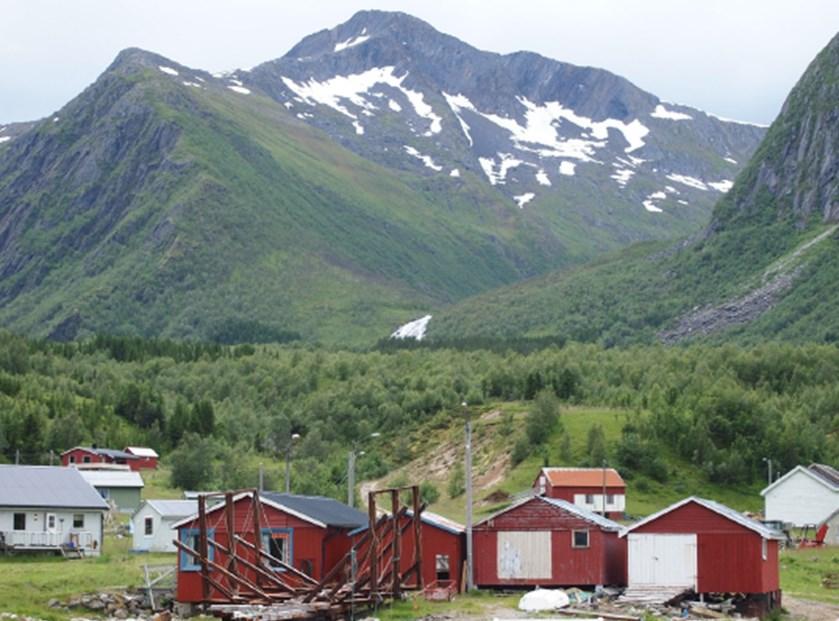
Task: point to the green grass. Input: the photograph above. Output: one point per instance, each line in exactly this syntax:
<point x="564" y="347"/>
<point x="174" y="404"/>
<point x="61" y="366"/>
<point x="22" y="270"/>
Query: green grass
<point x="27" y="584"/>
<point x="480" y="605"/>
<point x="802" y="572"/>
<point x="158" y="486"/>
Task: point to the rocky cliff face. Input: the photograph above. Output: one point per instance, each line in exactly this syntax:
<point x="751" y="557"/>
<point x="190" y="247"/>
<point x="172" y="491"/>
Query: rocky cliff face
<point x="795" y="172"/>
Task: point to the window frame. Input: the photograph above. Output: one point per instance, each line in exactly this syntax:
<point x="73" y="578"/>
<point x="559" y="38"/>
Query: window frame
<point x="78" y="517"/>
<point x="446" y="560"/>
<point x="148" y="526"/>
<point x="574" y="534"/>
<point x="764" y="548"/>
<point x="186" y="561"/>
<point x="15" y="516"/>
<point x="288" y="535"/>
<point x="610" y="499"/>
<point x="589" y="499"/>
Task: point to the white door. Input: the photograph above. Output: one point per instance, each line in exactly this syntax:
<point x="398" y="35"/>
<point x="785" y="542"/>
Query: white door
<point x="524" y="555"/>
<point x="52" y="523"/>
<point x="662" y="560"/>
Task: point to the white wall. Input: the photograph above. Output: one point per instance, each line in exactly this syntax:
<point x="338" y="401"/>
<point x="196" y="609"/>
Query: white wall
<point x="618" y="504"/>
<point x="800" y="500"/>
<point x="36" y="521"/>
<point x="162" y="534"/>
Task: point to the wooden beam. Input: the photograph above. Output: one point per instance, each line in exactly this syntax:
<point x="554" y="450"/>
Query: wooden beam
<point x="260" y="570"/>
<point x="238" y="579"/>
<point x="231" y="534"/>
<point x="417" y="509"/>
<point x="203" y="550"/>
<point x="263" y="554"/>
<point x="397" y="541"/>
<point x="256" y="508"/>
<point x="374" y="558"/>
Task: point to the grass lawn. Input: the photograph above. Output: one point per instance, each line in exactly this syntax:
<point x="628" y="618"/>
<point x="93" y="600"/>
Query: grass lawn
<point x="482" y="605"/>
<point x="802" y="572"/>
<point x="28" y="583"/>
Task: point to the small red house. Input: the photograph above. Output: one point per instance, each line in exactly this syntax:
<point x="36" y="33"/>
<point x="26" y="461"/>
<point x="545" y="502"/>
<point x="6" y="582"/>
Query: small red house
<point x="147" y="458"/>
<point x="548" y="542"/>
<point x="95" y="455"/>
<point x="443" y="550"/>
<point x="585" y="488"/>
<point x="310" y="533"/>
<point x="708" y="547"/>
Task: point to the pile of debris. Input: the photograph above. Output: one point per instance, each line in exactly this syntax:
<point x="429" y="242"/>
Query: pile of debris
<point x="117" y="605"/>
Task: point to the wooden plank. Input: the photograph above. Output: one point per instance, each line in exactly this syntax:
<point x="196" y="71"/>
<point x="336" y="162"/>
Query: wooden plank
<point x="203" y="549"/>
<point x="274" y="559"/>
<point x="231" y="540"/>
<point x="417" y="534"/>
<point x="222" y="570"/>
<point x="260" y="570"/>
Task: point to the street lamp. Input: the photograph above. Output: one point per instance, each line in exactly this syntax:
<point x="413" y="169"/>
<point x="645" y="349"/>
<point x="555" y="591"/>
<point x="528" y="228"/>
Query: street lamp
<point x="470" y="581"/>
<point x="354" y="454"/>
<point x="768" y="463"/>
<point x="294" y="437"/>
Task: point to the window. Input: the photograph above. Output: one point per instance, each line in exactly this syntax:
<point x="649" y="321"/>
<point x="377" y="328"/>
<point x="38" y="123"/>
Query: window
<point x="104" y="492"/>
<point x="610" y="499"/>
<point x="19" y="521"/>
<point x="86" y="459"/>
<point x="50" y="521"/>
<point x="78" y="520"/>
<point x="72" y="459"/>
<point x="191" y="537"/>
<point x="441" y="565"/>
<point x="579" y="539"/>
<point x="148" y="526"/>
<point x="589" y="499"/>
<point x="764" y="549"/>
<point x="277" y="543"/>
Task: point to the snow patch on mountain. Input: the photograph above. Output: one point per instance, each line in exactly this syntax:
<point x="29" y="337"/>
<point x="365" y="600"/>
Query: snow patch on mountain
<point x="722" y="186"/>
<point x="661" y="112"/>
<point x="168" y="70"/>
<point x="567" y="168"/>
<point x="730" y="160"/>
<point x="523" y="199"/>
<point x="352" y="41"/>
<point x="458" y="103"/>
<point x="359" y="128"/>
<point x="542" y="177"/>
<point x="239" y="89"/>
<point x="727" y="120"/>
<point x="455" y="172"/>
<point x="4" y="139"/>
<point x="394" y="105"/>
<point x="425" y="159"/>
<point x="649" y="202"/>
<point x="352" y="87"/>
<point x="622" y="176"/>
<point x="498" y="175"/>
<point x="692" y="182"/>
<point x="413" y="329"/>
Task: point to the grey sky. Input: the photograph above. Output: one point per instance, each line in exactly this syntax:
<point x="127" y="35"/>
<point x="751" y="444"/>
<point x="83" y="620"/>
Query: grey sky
<point x="735" y="58"/>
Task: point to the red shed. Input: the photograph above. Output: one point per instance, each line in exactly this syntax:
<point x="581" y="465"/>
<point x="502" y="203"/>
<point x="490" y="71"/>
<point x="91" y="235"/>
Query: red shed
<point x="95" y="455"/>
<point x="147" y="458"/>
<point x="585" y="488"/>
<point x="706" y="546"/>
<point x="310" y="533"/>
<point x="548" y="542"/>
<point x="443" y="550"/>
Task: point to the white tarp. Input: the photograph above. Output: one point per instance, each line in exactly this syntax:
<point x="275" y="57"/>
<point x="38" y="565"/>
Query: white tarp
<point x="543" y="599"/>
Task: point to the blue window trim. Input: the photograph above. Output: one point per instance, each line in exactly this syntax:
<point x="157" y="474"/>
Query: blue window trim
<point x="189" y="562"/>
<point x="290" y="539"/>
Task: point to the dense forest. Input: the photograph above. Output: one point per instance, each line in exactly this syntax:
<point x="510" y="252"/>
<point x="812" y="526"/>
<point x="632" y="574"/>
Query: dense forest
<point x="721" y="408"/>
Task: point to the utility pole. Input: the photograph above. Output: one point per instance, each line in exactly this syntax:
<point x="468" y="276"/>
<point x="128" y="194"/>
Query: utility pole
<point x="470" y="575"/>
<point x="261" y="478"/>
<point x="351" y="478"/>
<point x="17" y="457"/>
<point x="604" y="488"/>
<point x="291" y="439"/>
<point x="52" y="456"/>
<point x="769" y="466"/>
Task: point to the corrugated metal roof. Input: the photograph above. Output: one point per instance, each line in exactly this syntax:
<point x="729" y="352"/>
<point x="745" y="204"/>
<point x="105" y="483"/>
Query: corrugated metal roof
<point x="113" y="453"/>
<point x="112" y="478"/>
<point x="719" y="508"/>
<point x="828" y="473"/>
<point x="174" y="508"/>
<point x="582" y="477"/>
<point x="141" y="451"/>
<point x="47" y="486"/>
<point x="325" y="510"/>
<point x="589" y="516"/>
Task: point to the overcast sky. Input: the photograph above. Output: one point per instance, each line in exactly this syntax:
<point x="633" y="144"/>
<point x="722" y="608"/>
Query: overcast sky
<point x="736" y="58"/>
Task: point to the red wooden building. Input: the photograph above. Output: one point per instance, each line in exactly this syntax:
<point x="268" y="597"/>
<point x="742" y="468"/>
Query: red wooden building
<point x="548" y="542"/>
<point x="147" y="458"/>
<point x="96" y="455"/>
<point x="443" y="550"/>
<point x="309" y="533"/>
<point x="706" y="546"/>
<point x="585" y="488"/>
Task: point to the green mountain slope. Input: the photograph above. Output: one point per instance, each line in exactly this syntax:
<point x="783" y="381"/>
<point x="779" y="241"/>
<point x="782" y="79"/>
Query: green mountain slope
<point x="153" y="205"/>
<point x="763" y="268"/>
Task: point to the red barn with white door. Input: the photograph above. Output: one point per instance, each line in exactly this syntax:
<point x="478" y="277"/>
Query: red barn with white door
<point x="310" y="533"/>
<point x="585" y="488"/>
<point x="705" y="546"/>
<point x="548" y="542"/>
<point x="147" y="458"/>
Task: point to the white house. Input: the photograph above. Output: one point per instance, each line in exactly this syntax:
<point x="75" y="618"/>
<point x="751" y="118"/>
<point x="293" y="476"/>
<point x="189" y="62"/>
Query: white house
<point x="152" y="523"/>
<point x="47" y="509"/>
<point x="803" y="495"/>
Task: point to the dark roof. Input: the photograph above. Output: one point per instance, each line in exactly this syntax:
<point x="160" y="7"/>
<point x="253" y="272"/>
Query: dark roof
<point x="47" y="486"/>
<point x="321" y="509"/>
<point x="105" y="452"/>
<point x="827" y="473"/>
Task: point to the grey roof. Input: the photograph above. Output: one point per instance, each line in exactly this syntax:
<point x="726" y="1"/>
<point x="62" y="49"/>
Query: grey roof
<point x="589" y="516"/>
<point x="827" y="473"/>
<point x="112" y="478"/>
<point x="174" y="508"/>
<point x="327" y="511"/>
<point x="113" y="453"/>
<point x="47" y="486"/>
